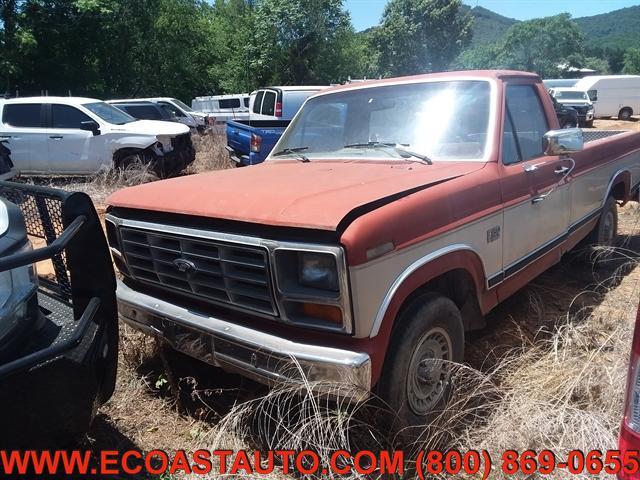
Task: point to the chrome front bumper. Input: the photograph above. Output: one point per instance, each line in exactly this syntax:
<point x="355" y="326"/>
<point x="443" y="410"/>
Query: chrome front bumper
<point x="263" y="357"/>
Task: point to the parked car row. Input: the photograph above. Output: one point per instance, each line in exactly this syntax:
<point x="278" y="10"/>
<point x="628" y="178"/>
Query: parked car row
<point x="172" y="109"/>
<point x="602" y="95"/>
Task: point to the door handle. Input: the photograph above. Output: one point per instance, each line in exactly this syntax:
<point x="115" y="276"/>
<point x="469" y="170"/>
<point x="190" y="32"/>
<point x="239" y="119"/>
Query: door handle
<point x="533" y="167"/>
<point x="56" y="137"/>
<point x="538" y="199"/>
<point x="561" y="170"/>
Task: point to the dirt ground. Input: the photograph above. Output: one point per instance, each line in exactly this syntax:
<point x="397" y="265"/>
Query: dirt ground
<point x="155" y="407"/>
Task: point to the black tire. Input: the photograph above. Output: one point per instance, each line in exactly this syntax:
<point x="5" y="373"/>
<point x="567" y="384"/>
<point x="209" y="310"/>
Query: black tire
<point x="605" y="233"/>
<point x="625" y="114"/>
<point x="569" y="124"/>
<point x="588" y="124"/>
<point x="431" y="327"/>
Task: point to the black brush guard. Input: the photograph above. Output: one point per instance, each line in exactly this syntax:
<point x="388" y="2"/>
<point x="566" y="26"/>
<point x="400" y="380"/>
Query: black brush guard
<point x="50" y="389"/>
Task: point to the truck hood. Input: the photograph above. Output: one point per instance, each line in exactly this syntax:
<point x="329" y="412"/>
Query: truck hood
<point x="316" y="195"/>
<point x="152" y="127"/>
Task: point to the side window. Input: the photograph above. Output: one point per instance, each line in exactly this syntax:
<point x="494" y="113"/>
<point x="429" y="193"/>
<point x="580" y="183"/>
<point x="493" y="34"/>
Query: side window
<point x="146" y="112"/>
<point x="65" y="116"/>
<point x="246" y="102"/>
<point x="258" y="101"/>
<point x="269" y="103"/>
<point x="22" y="115"/>
<point x="525" y="111"/>
<point x="175" y="111"/>
<point x="229" y="103"/>
<point x="510" y="153"/>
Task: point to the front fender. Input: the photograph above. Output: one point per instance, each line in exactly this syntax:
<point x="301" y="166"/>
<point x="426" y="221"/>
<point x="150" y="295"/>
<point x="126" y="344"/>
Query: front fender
<point x="416" y="275"/>
<point x="132" y="141"/>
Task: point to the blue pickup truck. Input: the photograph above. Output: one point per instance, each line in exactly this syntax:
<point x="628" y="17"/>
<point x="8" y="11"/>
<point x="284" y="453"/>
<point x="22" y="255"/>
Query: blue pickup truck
<point x="271" y="109"/>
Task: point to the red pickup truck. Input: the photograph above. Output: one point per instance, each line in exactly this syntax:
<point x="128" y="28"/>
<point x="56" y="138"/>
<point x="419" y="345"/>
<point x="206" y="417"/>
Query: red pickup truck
<point x="389" y="218"/>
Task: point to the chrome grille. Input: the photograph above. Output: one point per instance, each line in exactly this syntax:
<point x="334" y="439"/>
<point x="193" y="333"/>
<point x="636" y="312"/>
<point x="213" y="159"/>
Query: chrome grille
<point x="205" y="269"/>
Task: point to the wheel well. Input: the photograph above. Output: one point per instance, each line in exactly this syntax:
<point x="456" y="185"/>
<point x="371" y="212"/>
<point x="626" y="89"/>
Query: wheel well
<point x="619" y="191"/>
<point x="459" y="286"/>
<point x="121" y="154"/>
<point x="627" y="108"/>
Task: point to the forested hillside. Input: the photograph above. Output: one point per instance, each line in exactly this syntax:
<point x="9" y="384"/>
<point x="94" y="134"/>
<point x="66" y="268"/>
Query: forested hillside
<point x="488" y="26"/>
<point x="617" y="29"/>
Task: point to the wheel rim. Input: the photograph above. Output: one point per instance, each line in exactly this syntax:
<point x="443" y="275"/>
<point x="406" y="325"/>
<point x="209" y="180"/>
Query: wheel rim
<point x="428" y="376"/>
<point x="608" y="228"/>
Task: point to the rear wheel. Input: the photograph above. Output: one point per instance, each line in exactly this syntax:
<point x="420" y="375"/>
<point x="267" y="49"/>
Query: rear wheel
<point x="625" y="113"/>
<point x="604" y="235"/>
<point x="416" y="376"/>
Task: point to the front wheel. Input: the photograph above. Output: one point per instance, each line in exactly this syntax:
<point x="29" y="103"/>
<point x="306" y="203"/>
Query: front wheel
<point x="416" y="377"/>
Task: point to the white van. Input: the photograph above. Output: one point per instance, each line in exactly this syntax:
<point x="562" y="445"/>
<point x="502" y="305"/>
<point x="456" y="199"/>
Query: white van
<point x="613" y="95"/>
<point x="223" y="107"/>
<point x="279" y="103"/>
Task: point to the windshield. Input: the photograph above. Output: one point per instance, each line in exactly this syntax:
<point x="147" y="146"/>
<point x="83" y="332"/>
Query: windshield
<point x="183" y="106"/>
<point x="571" y="95"/>
<point x="109" y="113"/>
<point x="445" y="120"/>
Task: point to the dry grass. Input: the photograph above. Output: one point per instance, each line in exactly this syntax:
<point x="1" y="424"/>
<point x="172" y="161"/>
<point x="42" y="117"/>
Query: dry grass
<point x="548" y="373"/>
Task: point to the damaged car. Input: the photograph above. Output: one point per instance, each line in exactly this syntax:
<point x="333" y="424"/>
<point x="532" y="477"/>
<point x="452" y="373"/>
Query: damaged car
<point x="81" y="136"/>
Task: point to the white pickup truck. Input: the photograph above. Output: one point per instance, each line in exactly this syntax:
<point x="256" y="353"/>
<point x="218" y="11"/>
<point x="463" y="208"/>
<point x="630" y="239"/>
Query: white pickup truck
<point x="80" y="136"/>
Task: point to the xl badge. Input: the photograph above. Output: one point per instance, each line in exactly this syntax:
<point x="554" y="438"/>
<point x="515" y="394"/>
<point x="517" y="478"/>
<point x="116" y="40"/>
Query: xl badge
<point x="183" y="265"/>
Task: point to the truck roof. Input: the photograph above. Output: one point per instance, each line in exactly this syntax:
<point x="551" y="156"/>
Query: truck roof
<point x="63" y="100"/>
<point x="471" y="74"/>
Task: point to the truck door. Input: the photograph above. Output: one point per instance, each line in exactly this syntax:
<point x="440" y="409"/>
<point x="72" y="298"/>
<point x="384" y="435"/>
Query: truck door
<point x="71" y="150"/>
<point x="535" y="187"/>
<point x="23" y="126"/>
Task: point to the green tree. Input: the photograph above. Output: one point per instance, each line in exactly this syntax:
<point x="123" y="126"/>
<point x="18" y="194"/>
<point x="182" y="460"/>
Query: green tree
<point x="542" y="45"/>
<point x="485" y="56"/>
<point x="418" y="36"/>
<point x="631" y="61"/>
<point x="301" y="41"/>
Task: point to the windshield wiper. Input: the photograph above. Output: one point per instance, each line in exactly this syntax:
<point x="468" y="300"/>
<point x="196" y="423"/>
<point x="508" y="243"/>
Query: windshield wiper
<point x="296" y="151"/>
<point x="401" y="148"/>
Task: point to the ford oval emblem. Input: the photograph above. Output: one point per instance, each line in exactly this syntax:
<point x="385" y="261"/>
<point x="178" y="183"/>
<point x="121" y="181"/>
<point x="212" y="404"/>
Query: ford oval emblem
<point x="183" y="265"/>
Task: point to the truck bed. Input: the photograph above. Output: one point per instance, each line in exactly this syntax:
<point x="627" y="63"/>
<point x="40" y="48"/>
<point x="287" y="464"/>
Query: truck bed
<point x="239" y="133"/>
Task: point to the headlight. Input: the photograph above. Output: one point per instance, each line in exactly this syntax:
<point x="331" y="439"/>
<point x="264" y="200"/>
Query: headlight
<point x="318" y="270"/>
<point x="312" y="286"/>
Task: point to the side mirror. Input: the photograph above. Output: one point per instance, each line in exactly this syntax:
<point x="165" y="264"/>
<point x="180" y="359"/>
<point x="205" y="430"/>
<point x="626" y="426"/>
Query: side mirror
<point x="562" y="142"/>
<point x="90" y="126"/>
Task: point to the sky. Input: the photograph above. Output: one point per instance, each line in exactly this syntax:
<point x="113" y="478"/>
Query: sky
<point x="366" y="13"/>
